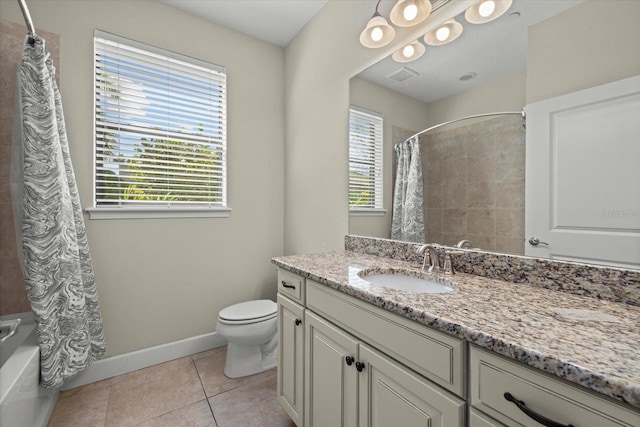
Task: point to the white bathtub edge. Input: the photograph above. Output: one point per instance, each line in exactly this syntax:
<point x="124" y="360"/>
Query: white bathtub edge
<point x="129" y="362"/>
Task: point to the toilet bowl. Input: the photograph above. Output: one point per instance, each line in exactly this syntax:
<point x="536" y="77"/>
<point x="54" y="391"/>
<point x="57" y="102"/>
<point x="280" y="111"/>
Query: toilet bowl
<point x="250" y="331"/>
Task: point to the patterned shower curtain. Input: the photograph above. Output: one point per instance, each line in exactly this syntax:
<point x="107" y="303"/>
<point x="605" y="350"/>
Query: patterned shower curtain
<point x="55" y="253"/>
<point x="407" y="222"/>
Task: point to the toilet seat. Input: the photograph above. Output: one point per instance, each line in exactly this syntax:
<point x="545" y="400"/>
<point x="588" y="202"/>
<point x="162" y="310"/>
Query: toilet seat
<point x="249" y="312"/>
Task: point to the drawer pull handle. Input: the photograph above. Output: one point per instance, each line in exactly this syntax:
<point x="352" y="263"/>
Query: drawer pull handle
<point x="298" y="321"/>
<point x="359" y="366"/>
<point x="287" y="285"/>
<point x="349" y="360"/>
<point x="533" y="415"/>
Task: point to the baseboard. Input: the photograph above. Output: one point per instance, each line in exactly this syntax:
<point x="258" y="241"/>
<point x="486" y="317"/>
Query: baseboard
<point x="129" y="362"/>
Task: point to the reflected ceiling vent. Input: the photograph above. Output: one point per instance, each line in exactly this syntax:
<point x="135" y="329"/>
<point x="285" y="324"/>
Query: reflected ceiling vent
<point x="402" y="74"/>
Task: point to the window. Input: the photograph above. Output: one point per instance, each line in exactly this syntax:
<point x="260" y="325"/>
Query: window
<point x="160" y="131"/>
<point x="365" y="160"/>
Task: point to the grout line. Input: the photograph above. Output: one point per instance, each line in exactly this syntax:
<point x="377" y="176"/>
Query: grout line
<point x="206" y="398"/>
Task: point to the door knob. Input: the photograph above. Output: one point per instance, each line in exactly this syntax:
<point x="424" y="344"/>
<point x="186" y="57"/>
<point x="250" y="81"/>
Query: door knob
<point x="349" y="360"/>
<point x="534" y="241"/>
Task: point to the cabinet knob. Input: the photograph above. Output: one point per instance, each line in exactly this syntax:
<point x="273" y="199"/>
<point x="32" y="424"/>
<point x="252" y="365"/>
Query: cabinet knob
<point x="349" y="360"/>
<point x="359" y="366"/>
<point x="532" y="414"/>
<point x="298" y="321"/>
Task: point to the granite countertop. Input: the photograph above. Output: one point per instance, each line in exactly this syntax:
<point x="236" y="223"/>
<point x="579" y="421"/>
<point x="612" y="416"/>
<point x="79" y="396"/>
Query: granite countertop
<point x="591" y="342"/>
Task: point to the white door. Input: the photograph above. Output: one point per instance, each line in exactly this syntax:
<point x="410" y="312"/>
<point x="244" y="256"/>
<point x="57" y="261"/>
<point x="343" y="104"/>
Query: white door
<point x="583" y="176"/>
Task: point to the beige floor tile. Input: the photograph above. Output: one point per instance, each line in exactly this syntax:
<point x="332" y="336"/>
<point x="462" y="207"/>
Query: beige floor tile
<point x="254" y="405"/>
<point x="211" y="371"/>
<point x="195" y="415"/>
<point x="154" y="391"/>
<point x="82" y="406"/>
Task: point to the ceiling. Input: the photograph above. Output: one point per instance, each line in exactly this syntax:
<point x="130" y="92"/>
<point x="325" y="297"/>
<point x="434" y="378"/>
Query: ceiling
<point x="274" y="21"/>
<point x="490" y="51"/>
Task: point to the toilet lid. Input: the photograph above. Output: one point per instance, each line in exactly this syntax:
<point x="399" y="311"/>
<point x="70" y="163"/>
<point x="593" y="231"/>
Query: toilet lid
<point x="249" y="310"/>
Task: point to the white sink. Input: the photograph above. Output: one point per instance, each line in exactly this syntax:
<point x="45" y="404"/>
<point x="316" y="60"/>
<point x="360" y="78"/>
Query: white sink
<point x="404" y="282"/>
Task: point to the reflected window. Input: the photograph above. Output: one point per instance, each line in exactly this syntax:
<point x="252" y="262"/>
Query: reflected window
<point x="365" y="160"/>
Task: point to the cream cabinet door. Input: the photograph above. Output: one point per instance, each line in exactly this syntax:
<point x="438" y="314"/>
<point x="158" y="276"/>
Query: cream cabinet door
<point x="291" y="358"/>
<point x="391" y="396"/>
<point x="331" y="382"/>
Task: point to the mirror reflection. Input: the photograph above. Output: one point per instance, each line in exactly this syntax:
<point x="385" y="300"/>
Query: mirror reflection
<point x="473" y="172"/>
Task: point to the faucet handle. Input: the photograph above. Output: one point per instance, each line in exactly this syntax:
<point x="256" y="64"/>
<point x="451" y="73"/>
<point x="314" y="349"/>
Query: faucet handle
<point x="448" y="264"/>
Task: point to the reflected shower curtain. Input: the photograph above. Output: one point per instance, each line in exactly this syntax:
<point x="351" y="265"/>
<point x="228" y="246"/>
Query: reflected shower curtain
<point x="55" y="253"/>
<point x="407" y="222"/>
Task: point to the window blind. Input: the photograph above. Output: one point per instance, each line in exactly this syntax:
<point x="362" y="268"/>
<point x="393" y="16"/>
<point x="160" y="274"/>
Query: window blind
<point x="365" y="159"/>
<point x="160" y="127"/>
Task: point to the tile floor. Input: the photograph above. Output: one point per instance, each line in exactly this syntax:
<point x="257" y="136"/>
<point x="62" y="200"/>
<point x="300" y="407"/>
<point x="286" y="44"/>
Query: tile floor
<point x="192" y="391"/>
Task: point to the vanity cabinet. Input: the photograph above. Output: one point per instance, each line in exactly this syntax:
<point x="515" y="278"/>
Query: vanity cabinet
<point x="348" y="383"/>
<point x="496" y="382"/>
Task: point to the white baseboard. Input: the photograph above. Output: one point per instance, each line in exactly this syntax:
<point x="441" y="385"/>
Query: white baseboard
<point x="129" y="362"/>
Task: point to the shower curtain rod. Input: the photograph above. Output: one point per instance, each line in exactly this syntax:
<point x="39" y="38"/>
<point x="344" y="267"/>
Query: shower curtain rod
<point x="27" y="18"/>
<point x="474" y="116"/>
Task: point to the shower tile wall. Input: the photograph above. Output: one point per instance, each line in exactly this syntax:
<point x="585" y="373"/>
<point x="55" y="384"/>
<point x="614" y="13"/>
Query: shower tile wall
<point x="13" y="296"/>
<point x="474" y="184"/>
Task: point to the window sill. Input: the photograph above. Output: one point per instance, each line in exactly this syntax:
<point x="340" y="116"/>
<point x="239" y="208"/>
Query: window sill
<point x="367" y="212"/>
<point x="157" y="212"/>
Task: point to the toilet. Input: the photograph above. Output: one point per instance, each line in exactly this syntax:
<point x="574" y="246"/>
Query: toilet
<point x="250" y="331"/>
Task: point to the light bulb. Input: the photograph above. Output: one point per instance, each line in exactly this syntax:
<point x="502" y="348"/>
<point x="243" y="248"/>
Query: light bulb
<point x="408" y="51"/>
<point x="376" y="34"/>
<point x="487" y="8"/>
<point x="442" y="33"/>
<point x="410" y="12"/>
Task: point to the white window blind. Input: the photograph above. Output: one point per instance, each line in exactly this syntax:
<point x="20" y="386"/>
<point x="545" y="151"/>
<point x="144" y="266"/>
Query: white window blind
<point x="160" y="127"/>
<point x="365" y="159"/>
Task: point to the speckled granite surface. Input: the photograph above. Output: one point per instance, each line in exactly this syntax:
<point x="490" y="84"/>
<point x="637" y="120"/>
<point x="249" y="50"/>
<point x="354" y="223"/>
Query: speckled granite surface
<point x="589" y="341"/>
<point x="613" y="284"/>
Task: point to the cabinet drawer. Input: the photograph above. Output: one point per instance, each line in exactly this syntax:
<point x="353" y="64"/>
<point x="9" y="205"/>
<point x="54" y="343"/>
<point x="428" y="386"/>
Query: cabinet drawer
<point x="434" y="355"/>
<point x="291" y="285"/>
<point x="492" y="376"/>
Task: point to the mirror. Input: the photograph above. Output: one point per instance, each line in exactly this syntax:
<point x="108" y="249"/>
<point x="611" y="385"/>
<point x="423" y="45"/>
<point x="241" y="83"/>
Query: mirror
<point x="537" y="50"/>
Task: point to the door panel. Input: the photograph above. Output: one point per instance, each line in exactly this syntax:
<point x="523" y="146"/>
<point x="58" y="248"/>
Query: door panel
<point x="392" y="396"/>
<point x="583" y="175"/>
<point x="291" y="358"/>
<point x="331" y="398"/>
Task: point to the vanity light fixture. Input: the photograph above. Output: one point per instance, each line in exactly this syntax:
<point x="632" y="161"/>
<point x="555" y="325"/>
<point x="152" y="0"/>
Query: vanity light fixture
<point x="410" y="52"/>
<point x="378" y="32"/>
<point x="445" y="33"/>
<point x="406" y="13"/>
<point x="486" y="11"/>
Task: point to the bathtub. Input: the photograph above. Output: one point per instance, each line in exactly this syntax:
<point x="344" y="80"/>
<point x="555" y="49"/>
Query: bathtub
<point x="22" y="401"/>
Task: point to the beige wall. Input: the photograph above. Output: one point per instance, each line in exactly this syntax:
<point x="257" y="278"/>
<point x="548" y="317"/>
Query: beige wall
<point x="398" y="111"/>
<point x="161" y="280"/>
<point x="588" y="45"/>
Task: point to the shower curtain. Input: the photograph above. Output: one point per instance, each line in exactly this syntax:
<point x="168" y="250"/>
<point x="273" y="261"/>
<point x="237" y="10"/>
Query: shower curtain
<point x="407" y="223"/>
<point x="50" y="227"/>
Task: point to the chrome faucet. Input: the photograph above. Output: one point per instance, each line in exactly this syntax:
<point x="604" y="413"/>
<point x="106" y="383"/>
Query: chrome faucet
<point x="463" y="244"/>
<point x="430" y="250"/>
<point x="448" y="264"/>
